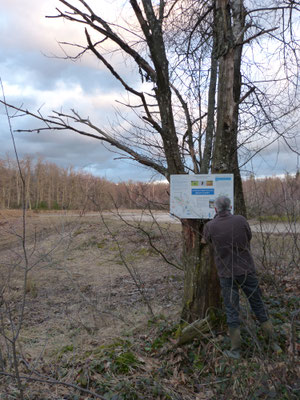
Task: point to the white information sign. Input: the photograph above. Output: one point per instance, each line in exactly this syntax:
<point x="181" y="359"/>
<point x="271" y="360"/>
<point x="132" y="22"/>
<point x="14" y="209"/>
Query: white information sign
<point x="193" y="196"/>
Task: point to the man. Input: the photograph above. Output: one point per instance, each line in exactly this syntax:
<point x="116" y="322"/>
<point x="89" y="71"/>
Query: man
<point x="230" y="237"/>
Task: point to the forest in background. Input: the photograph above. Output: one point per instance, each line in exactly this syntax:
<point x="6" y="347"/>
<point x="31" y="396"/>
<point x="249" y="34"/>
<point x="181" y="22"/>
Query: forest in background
<point x="50" y="187"/>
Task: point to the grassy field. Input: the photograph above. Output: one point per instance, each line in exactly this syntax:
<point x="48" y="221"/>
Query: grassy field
<point x="102" y="314"/>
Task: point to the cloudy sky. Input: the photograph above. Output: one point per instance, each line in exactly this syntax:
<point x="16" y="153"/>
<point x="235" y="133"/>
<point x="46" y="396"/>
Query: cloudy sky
<point x="32" y="77"/>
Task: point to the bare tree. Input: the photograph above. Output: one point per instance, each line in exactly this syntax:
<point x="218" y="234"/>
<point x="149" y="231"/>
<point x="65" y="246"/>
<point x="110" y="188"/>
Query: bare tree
<point x="189" y="109"/>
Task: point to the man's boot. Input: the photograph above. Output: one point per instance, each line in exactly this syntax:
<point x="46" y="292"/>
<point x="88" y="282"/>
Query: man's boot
<point x="235" y="338"/>
<point x="268" y="330"/>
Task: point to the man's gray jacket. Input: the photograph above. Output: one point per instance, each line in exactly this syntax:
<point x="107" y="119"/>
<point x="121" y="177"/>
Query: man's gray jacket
<point x="230" y="236"/>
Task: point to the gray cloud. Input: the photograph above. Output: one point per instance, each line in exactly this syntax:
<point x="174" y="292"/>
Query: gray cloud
<point x="35" y="69"/>
<point x="33" y="79"/>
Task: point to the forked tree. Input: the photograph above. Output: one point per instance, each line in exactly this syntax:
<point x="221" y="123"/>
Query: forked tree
<point x="190" y="102"/>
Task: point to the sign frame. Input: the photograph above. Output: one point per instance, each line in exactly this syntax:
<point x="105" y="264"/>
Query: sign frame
<point x="192" y="196"/>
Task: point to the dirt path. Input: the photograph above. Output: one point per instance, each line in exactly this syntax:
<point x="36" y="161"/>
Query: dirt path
<point x="165" y="217"/>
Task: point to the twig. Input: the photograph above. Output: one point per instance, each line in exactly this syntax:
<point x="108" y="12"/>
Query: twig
<point x="54" y="382"/>
<point x="140" y="290"/>
<point x="16" y="329"/>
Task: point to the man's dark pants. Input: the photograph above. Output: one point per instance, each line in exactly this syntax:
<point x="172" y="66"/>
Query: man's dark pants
<point x="230" y="292"/>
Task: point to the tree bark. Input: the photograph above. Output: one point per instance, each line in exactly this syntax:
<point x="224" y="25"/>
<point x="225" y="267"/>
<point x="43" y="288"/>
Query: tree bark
<point x="210" y="128"/>
<point x="201" y="283"/>
<point x="230" y="21"/>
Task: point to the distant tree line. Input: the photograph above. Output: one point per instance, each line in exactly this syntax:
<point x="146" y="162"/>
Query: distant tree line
<point x="50" y="187"/>
<point x="273" y="196"/>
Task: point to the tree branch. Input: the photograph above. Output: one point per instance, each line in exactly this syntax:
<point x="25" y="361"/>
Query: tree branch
<point x="108" y="32"/>
<point x="155" y="125"/>
<point x="57" y="122"/>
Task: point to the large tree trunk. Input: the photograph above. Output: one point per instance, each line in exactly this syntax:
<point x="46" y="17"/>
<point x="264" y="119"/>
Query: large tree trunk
<point x="230" y="22"/>
<point x="201" y="286"/>
<point x="201" y="283"/>
<point x="210" y="128"/>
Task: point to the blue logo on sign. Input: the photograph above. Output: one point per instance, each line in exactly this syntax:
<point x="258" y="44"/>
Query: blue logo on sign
<point x="203" y="191"/>
<point x="223" y="179"/>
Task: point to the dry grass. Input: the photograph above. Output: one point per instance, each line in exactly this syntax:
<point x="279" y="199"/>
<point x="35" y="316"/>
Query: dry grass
<point x="84" y="313"/>
<point x="78" y="290"/>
